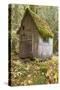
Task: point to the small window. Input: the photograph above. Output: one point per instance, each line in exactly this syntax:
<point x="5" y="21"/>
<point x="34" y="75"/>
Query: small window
<point x="46" y="40"/>
<point x="23" y="27"/>
<point x="23" y="34"/>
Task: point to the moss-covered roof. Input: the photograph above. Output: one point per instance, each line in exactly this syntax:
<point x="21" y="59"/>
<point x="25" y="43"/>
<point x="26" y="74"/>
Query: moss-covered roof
<point x="42" y="26"/>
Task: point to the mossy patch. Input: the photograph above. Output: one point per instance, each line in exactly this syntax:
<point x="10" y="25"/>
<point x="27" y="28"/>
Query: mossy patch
<point x="41" y="24"/>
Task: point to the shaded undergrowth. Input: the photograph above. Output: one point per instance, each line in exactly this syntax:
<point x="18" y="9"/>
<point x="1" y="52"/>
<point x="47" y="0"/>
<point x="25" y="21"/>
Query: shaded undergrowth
<point x="34" y="72"/>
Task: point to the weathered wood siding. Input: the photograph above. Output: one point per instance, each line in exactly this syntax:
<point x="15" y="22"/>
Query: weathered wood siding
<point x="31" y="44"/>
<point x="28" y="38"/>
<point x="45" y="49"/>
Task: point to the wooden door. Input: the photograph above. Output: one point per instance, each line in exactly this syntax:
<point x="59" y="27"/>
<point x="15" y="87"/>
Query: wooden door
<point x="26" y="49"/>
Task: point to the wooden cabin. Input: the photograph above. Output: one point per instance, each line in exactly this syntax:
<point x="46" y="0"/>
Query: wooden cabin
<point x="35" y="37"/>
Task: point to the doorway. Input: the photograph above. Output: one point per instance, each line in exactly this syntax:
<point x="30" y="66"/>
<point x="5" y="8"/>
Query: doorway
<point x="26" y="49"/>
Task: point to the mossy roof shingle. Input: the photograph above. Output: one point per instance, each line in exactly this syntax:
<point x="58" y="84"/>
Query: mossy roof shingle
<point x="42" y="26"/>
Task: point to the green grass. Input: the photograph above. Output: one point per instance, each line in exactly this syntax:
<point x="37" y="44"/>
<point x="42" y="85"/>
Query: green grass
<point x="34" y="72"/>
